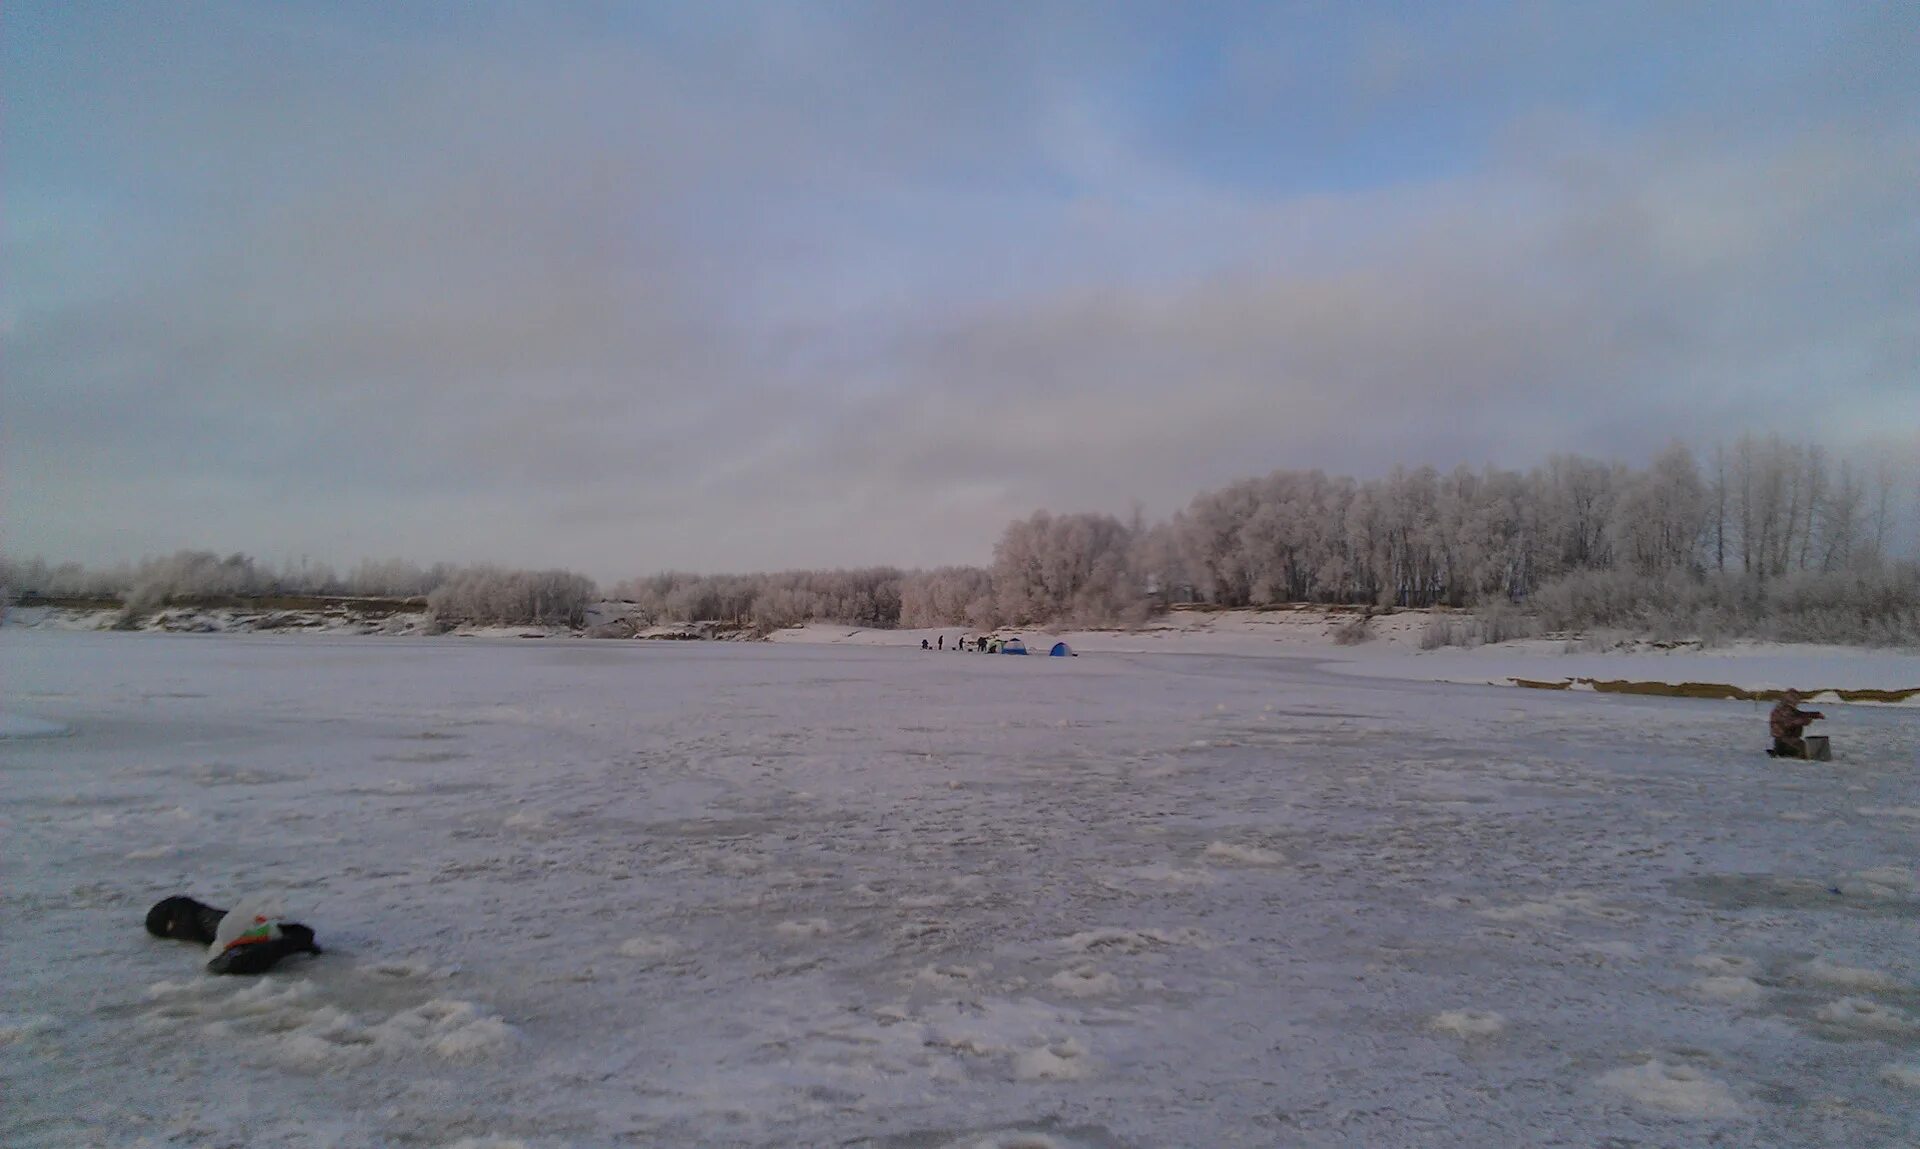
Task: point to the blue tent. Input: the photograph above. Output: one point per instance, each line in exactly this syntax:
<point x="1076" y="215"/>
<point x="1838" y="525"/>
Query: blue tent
<point x="1013" y="646"/>
<point x="1062" y="650"/>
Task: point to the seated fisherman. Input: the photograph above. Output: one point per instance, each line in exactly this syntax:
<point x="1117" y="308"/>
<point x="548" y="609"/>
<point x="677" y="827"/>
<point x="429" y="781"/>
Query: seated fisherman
<point x="1786" y="723"/>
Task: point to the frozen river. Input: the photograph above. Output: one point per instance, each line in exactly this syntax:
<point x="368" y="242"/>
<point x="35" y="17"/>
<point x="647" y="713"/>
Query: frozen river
<point x="601" y="894"/>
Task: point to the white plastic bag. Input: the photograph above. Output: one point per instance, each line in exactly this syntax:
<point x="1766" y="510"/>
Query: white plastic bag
<point x="253" y="919"/>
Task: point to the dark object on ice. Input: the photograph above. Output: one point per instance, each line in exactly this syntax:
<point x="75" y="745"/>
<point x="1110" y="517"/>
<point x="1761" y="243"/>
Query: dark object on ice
<point x="184" y="919"/>
<point x="1786" y="722"/>
<point x="187" y="920"/>
<point x="925" y="645"/>
<point x="1810" y="748"/>
<point x="258" y="957"/>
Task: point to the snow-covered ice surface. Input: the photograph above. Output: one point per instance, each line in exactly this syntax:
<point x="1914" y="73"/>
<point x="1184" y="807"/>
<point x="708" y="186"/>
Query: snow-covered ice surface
<point x="20" y="726"/>
<point x="1394" y="651"/>
<point x="599" y="894"/>
<point x="1750" y="666"/>
<point x="1245" y="632"/>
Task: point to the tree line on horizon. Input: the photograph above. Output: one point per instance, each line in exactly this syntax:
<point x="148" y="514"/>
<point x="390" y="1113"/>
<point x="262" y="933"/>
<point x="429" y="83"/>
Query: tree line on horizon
<point x="480" y="594"/>
<point x="1769" y="538"/>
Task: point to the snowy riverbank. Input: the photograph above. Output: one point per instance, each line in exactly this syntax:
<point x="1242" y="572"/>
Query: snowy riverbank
<point x="1394" y="650"/>
<point x="1394" y="646"/>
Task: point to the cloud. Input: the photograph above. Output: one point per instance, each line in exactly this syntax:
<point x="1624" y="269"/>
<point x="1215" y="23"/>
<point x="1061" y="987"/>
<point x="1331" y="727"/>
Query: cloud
<point x="700" y="290"/>
<point x="1601" y="301"/>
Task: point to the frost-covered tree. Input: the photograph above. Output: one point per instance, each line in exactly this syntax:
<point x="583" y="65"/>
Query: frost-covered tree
<point x="196" y="574"/>
<point x="1841" y="518"/>
<point x="1071" y="568"/>
<point x="1660" y="516"/>
<point x="1161" y="560"/>
<point x="395" y="578"/>
<point x="492" y="596"/>
<point x="949" y="596"/>
<point x="866" y="597"/>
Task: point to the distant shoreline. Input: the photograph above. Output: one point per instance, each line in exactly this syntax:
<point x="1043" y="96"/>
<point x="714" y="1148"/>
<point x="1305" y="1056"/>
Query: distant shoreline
<point x="1396" y="645"/>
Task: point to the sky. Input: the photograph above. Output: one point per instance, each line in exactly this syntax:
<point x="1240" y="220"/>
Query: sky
<point x="719" y="286"/>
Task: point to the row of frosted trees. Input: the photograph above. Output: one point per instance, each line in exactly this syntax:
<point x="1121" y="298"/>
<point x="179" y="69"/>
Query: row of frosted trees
<point x="203" y="574"/>
<point x="1076" y="568"/>
<point x="1765" y="509"/>
<point x="1766" y="537"/>
<point x="493" y="596"/>
<point x="868" y="597"/>
<point x="482" y="595"/>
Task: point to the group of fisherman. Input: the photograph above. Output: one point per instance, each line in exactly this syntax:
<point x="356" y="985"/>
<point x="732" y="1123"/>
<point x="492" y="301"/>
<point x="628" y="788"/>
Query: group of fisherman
<point x="985" y="644"/>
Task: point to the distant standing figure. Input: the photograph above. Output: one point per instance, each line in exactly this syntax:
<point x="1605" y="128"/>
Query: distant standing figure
<point x="940" y="643"/>
<point x="1786" y="723"/>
